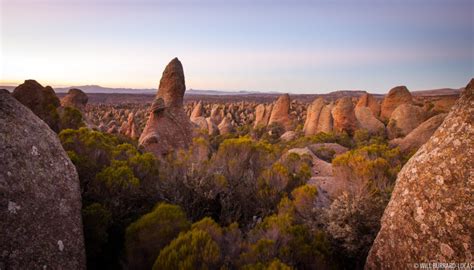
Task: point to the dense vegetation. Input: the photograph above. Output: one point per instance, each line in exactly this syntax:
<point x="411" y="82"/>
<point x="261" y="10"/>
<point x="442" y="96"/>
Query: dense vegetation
<point x="237" y="201"/>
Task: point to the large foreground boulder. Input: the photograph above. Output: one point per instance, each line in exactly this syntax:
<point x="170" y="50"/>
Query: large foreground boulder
<point x="168" y="127"/>
<point x="40" y="199"/>
<point x="41" y="100"/>
<point x="429" y="216"/>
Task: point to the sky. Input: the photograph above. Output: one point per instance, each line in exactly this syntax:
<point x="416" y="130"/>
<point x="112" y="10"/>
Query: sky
<point x="291" y="46"/>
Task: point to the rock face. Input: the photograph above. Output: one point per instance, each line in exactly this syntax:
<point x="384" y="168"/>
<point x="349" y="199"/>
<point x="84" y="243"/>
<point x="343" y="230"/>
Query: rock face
<point x="262" y="115"/>
<point x="367" y="120"/>
<point x="172" y="86"/>
<point x="280" y="112"/>
<point x="168" y="127"/>
<point x="197" y="111"/>
<point x="200" y="122"/>
<point x="216" y="113"/>
<point x="404" y="119"/>
<point x="325" y="122"/>
<point x="334" y="148"/>
<point x="429" y="216"/>
<point x="322" y="176"/>
<point x="395" y="97"/>
<point x="420" y="135"/>
<point x="129" y="128"/>
<point x="344" y="116"/>
<point x="40" y="220"/>
<point x="75" y="98"/>
<point x="41" y="100"/>
<point x="367" y="112"/>
<point x="288" y="136"/>
<point x="212" y="127"/>
<point x="367" y="100"/>
<point x="225" y="127"/>
<point x="320" y="168"/>
<point x="312" y="117"/>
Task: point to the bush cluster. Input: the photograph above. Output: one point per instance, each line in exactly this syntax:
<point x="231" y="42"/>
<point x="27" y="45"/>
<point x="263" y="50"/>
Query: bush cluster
<point x="235" y="201"/>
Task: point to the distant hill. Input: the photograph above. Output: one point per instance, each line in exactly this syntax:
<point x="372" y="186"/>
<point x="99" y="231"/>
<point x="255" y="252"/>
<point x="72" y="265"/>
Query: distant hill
<point x="97" y="89"/>
<point x="106" y="90"/>
<point x="8" y="87"/>
<point x="438" y="92"/>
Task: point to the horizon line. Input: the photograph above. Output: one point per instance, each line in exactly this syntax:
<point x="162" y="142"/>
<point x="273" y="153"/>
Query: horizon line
<point x="320" y="92"/>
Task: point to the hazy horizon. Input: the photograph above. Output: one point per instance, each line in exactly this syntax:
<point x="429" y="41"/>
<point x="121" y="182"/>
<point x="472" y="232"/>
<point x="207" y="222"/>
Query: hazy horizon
<point x="297" y="47"/>
<point x="154" y="89"/>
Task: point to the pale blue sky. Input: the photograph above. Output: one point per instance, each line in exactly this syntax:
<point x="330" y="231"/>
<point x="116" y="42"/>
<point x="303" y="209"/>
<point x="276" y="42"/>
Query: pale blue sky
<point x="289" y="46"/>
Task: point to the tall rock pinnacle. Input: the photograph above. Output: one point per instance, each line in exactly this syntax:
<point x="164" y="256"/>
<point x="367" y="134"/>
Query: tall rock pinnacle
<point x="280" y="112"/>
<point x="172" y="86"/>
<point x="168" y="127"/>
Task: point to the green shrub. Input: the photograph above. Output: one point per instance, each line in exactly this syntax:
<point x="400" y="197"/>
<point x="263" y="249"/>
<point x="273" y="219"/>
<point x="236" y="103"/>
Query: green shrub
<point x="191" y="250"/>
<point x="273" y="133"/>
<point x="339" y="138"/>
<point x="273" y="265"/>
<point x="71" y="118"/>
<point x="243" y="179"/>
<point x="263" y="251"/>
<point x="89" y="150"/>
<point x="353" y="219"/>
<point x="375" y="166"/>
<point x="208" y="225"/>
<point x="304" y="198"/>
<point x="362" y="137"/>
<point x="152" y="232"/>
<point x="280" y="179"/>
<point x="118" y="177"/>
<point x="325" y="153"/>
<point x="281" y="236"/>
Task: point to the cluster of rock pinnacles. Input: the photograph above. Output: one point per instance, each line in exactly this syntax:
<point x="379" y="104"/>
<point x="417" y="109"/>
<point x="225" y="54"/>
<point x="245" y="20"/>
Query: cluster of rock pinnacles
<point x="428" y="218"/>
